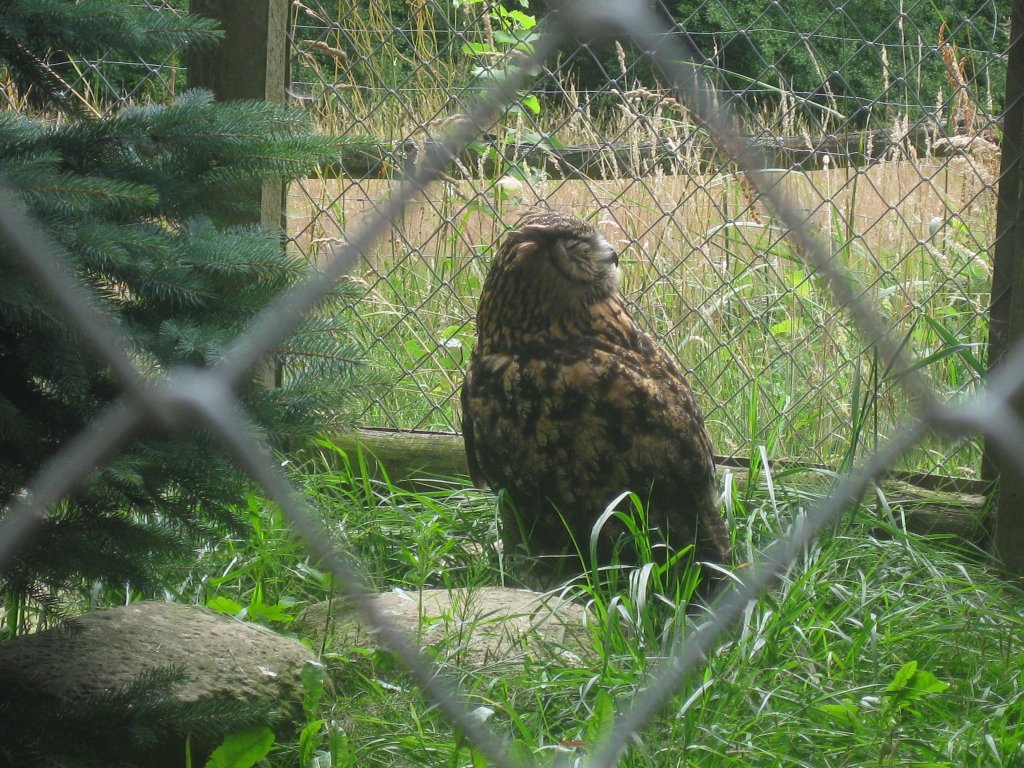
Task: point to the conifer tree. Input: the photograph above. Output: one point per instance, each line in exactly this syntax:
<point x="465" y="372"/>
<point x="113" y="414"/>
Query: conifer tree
<point x="141" y="202"/>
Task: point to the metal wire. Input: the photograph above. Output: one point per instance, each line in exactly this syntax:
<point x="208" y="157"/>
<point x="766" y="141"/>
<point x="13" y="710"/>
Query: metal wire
<point x="186" y="397"/>
<point x="705" y="270"/>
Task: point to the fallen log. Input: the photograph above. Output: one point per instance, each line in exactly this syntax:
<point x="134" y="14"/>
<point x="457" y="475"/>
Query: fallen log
<point x="929" y="503"/>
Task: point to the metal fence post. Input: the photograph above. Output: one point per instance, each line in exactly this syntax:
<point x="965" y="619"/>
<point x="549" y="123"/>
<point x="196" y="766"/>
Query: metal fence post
<point x="1006" y="322"/>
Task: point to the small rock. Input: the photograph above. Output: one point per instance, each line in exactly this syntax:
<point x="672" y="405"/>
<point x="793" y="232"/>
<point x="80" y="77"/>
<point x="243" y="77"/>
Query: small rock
<point x="469" y="628"/>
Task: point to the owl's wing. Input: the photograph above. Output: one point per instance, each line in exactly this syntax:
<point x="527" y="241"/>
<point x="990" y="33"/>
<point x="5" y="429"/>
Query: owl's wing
<point x="468" y="436"/>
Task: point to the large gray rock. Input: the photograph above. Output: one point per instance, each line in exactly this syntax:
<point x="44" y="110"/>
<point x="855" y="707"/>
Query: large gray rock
<point x="223" y="659"/>
<point x="468" y="628"/>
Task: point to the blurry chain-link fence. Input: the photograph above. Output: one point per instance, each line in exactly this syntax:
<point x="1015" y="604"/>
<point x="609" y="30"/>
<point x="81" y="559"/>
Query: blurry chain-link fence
<point x="763" y="278"/>
<point x="878" y="123"/>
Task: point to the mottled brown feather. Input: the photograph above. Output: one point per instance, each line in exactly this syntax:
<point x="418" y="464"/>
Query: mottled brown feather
<point x="567" y="402"/>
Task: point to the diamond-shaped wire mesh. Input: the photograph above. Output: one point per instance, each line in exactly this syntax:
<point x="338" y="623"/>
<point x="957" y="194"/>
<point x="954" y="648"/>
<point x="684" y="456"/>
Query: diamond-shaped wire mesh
<point x="107" y="83"/>
<point x="725" y="258"/>
<point x="884" y="141"/>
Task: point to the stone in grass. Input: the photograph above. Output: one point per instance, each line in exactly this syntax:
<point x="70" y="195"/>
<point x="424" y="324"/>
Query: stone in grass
<point x="470" y="629"/>
<point x="227" y="665"/>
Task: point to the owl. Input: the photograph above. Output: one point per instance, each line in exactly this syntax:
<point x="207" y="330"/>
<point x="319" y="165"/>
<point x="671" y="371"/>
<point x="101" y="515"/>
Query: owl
<point x="567" y="403"/>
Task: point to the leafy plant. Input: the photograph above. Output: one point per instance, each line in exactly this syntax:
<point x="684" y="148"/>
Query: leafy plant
<point x="509" y="36"/>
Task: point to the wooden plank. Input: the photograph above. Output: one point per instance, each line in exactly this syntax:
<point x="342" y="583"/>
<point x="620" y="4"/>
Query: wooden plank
<point x="251" y="60"/>
<point x="1004" y="248"/>
<point x="366" y="158"/>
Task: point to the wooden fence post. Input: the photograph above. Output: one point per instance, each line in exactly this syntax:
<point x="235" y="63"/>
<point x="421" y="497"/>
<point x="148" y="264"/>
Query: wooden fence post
<point x="251" y="62"/>
<point x="1006" y="321"/>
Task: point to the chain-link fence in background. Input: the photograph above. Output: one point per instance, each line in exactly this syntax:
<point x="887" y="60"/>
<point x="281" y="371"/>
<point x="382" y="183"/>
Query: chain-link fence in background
<point x="884" y="137"/>
<point x="749" y="273"/>
<point x="880" y="125"/>
<point x="106" y="82"/>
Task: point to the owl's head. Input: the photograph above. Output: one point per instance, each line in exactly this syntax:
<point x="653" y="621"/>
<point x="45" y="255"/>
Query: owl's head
<point x="559" y="254"/>
<point x="552" y="275"/>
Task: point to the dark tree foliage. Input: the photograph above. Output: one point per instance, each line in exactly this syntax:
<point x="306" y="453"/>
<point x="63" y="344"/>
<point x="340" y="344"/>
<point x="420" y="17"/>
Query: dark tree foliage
<point x="877" y="59"/>
<point x="142" y="204"/>
<point x="847" y="63"/>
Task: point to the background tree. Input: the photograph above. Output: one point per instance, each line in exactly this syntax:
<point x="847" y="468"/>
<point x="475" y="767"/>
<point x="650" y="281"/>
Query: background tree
<point x="870" y="62"/>
<point x="876" y="60"/>
<point x="142" y="203"/>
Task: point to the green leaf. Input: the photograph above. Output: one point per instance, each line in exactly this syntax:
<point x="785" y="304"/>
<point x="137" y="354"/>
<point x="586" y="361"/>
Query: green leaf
<point x="925" y="682"/>
<point x="414" y="349"/>
<point x="314" y="679"/>
<point x="278" y="612"/>
<point x="911" y="684"/>
<point x="800" y="283"/>
<point x="222" y="604"/>
<point x="602" y="720"/>
<point x="516" y="19"/>
<point x="308" y="740"/>
<point x="341" y="752"/>
<point x="505" y="38"/>
<point x="903" y="676"/>
<point x="242" y="749"/>
<point x="845" y="712"/>
<point x="532" y="103"/>
<point x="955" y="345"/>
